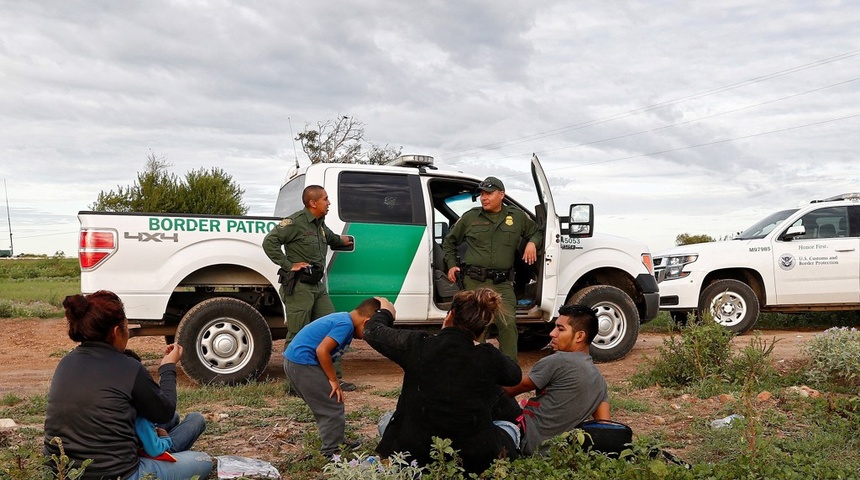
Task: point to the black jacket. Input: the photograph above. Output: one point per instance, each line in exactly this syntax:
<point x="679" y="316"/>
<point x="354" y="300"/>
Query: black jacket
<point x="449" y="386"/>
<point x="95" y="395"/>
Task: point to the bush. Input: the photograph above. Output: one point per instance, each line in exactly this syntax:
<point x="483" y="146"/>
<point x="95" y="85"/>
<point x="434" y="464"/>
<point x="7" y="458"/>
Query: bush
<point x="702" y="355"/>
<point x="835" y="358"/>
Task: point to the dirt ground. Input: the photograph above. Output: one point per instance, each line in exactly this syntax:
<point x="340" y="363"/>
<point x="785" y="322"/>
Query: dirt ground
<point x="33" y="347"/>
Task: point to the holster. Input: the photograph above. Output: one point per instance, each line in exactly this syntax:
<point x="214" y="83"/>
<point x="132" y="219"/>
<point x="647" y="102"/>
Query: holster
<point x="311" y="274"/>
<point x="482" y="274"/>
<point x="288" y="279"/>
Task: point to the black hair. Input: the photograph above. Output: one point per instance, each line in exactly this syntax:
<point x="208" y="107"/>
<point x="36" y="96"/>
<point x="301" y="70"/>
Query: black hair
<point x="581" y="317"/>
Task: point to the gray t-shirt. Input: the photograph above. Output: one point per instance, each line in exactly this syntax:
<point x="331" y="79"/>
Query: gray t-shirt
<point x="569" y="389"/>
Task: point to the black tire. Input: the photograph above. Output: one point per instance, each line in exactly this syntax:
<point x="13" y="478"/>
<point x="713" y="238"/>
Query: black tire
<point x="618" y="321"/>
<point x="226" y="341"/>
<point x="732" y="303"/>
<point x="681" y="319"/>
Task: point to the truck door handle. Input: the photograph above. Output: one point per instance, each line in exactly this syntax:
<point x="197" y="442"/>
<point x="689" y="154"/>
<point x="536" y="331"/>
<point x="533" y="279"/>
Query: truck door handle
<point x="844" y="249"/>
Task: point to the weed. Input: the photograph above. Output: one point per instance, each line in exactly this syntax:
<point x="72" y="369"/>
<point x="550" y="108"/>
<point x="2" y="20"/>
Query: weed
<point x="835" y="358"/>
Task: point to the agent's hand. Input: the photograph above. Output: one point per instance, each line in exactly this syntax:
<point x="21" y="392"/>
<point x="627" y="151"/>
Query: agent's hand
<point x="299" y="266"/>
<point x="172" y="354"/>
<point x="384" y="304"/>
<point x="336" y="392"/>
<point x="452" y="274"/>
<point x="530" y="253"/>
<point x="346" y="239"/>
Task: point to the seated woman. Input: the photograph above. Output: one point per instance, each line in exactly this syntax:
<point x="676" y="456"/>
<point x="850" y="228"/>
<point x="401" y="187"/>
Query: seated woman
<point x="97" y="391"/>
<point x="449" y="383"/>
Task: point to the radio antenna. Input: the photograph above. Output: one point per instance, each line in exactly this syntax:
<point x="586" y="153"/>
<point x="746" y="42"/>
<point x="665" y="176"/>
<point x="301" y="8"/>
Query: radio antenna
<point x="295" y="152"/>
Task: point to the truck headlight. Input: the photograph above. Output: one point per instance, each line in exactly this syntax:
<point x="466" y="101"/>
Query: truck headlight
<point x="675" y="266"/>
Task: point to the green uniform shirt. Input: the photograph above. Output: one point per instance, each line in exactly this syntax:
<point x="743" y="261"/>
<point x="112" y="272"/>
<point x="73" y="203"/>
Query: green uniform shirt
<point x="491" y="244"/>
<point x="305" y="239"/>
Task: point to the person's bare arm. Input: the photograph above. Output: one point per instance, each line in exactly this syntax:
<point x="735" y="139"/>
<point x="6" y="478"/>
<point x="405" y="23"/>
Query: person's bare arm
<point x="602" y="412"/>
<point x="525" y="385"/>
<point x="324" y="350"/>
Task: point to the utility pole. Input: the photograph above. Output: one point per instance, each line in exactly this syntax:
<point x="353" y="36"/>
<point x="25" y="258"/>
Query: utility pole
<point x="8" y="219"/>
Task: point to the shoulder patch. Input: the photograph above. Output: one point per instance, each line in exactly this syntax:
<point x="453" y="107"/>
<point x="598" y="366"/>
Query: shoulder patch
<point x="285" y="222"/>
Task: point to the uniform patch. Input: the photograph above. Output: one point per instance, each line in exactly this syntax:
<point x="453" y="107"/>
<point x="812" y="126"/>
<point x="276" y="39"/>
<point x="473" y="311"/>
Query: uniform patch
<point x="509" y="220"/>
<point x="285" y="222"/>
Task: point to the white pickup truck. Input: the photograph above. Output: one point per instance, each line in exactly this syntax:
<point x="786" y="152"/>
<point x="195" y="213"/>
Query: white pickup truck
<point x="795" y="260"/>
<point x="204" y="280"/>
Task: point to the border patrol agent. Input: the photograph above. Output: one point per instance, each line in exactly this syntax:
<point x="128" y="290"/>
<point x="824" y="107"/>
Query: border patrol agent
<point x="492" y="234"/>
<point x="305" y="239"/>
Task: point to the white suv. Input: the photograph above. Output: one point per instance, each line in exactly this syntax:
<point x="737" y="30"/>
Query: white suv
<point x="795" y="260"/>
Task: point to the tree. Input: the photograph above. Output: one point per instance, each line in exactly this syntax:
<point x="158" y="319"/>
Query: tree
<point x="687" y="239"/>
<point x="156" y="190"/>
<point x="340" y="141"/>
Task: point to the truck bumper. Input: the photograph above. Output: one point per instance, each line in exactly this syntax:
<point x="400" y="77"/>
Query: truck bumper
<point x="680" y="294"/>
<point x="651" y="293"/>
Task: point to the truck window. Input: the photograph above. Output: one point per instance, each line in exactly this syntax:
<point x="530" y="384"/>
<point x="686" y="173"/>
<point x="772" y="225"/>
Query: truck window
<point x="764" y="226"/>
<point x="380" y="198"/>
<point x="290" y="197"/>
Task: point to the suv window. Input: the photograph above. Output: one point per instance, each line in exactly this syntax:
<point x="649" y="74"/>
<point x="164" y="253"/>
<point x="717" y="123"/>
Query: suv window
<point x="830" y="222"/>
<point x="380" y="198"/>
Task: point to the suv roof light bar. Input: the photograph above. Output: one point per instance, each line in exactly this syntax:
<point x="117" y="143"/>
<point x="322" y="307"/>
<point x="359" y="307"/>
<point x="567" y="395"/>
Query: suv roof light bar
<point x="855" y="196"/>
<point x="412" y="161"/>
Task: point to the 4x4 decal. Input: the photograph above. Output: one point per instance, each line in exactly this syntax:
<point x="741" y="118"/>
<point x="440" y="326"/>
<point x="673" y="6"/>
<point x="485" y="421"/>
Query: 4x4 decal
<point x="151" y="237"/>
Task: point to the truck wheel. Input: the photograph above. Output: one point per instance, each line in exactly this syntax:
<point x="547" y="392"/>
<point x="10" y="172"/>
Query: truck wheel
<point x="226" y="341"/>
<point x="617" y="320"/>
<point x="732" y="303"/>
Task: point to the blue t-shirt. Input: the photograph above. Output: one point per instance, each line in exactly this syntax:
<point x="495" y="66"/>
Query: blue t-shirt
<point x="303" y="347"/>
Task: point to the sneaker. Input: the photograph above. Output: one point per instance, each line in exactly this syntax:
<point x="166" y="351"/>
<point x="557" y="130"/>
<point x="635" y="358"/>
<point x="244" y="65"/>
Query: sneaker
<point x="350" y="446"/>
<point x="347" y="387"/>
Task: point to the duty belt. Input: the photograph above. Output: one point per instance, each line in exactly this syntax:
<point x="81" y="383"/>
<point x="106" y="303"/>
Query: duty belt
<point x="482" y="274"/>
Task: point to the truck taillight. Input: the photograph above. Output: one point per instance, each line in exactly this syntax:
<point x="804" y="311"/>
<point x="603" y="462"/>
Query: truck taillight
<point x="646" y="260"/>
<point x="95" y="247"/>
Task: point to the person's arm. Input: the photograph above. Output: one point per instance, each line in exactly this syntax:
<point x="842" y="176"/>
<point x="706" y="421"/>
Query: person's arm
<point x="449" y="246"/>
<point x="393" y="343"/>
<point x="324" y="350"/>
<point x="157" y="401"/>
<point x="602" y="412"/>
<point x="525" y="385"/>
<point x="272" y="243"/>
<point x="532" y="232"/>
<point x="152" y="443"/>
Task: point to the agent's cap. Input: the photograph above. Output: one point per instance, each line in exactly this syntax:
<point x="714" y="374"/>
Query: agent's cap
<point x="491" y="184"/>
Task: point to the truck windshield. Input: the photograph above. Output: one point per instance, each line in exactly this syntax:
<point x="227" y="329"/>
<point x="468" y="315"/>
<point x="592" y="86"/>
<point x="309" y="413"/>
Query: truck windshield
<point x="761" y="228"/>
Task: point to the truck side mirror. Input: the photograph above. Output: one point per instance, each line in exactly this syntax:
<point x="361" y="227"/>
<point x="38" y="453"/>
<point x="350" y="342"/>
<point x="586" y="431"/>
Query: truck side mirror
<point x="581" y="220"/>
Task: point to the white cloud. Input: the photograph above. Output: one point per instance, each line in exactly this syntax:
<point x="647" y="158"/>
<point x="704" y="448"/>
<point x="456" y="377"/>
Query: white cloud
<point x="88" y="89"/>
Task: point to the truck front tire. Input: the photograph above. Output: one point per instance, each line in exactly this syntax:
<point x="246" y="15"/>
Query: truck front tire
<point x="617" y="320"/>
<point x="732" y="304"/>
<point x="226" y="341"/>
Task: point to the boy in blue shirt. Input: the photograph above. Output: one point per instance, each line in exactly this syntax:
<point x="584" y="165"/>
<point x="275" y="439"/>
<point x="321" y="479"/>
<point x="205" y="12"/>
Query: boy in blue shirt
<point x="309" y="366"/>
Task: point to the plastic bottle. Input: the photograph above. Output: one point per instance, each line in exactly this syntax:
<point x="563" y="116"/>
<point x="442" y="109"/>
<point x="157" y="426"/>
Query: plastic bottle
<point x="726" y="421"/>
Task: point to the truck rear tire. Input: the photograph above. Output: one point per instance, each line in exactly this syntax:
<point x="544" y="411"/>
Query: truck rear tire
<point x="226" y="341"/>
<point x="732" y="304"/>
<point x="617" y="320"/>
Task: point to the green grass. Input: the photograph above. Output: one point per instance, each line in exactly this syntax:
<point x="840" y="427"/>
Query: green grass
<point x="773" y="321"/>
<point x="37" y="287"/>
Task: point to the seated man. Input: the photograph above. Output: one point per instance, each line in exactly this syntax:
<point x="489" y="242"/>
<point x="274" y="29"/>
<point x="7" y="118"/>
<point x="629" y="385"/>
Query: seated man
<point x="570" y="389"/>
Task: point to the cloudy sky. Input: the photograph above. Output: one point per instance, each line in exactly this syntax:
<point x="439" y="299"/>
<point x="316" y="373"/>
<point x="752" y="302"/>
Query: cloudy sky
<point x="671" y="117"/>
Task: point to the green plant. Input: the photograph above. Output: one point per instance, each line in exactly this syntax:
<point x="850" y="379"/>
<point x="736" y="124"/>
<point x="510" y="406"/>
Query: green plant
<point x="65" y="466"/>
<point x="699" y="352"/>
<point x="834" y="358"/>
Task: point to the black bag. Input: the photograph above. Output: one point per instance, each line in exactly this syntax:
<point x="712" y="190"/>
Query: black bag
<point x="606" y="436"/>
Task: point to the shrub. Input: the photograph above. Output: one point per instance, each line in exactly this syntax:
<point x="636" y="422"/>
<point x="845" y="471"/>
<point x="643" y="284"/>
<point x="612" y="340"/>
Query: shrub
<point x="835" y="358"/>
